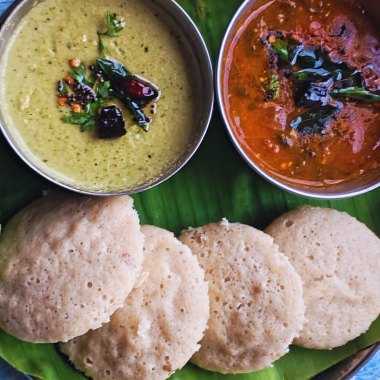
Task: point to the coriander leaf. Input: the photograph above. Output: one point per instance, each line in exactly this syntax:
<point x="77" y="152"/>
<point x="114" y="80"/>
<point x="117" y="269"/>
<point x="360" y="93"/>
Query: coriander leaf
<point x="274" y="85"/>
<point x="314" y="121"/>
<point x="113" y="69"/>
<point x="80" y="74"/>
<point x="103" y="90"/>
<point x="103" y="95"/>
<point x="272" y="89"/>
<point x="356" y="94"/>
<point x="113" y="28"/>
<point x="95" y="106"/>
<point x="286" y="50"/>
<point x="85" y="120"/>
<point x="102" y="45"/>
<point x="113" y="25"/>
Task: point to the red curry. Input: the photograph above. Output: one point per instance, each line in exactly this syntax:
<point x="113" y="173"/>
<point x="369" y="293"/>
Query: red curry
<point x="349" y="144"/>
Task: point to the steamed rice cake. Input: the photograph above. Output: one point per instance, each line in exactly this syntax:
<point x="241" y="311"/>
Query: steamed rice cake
<point x="163" y="319"/>
<point x="256" y="305"/>
<point x="338" y="259"/>
<point x="67" y="262"/>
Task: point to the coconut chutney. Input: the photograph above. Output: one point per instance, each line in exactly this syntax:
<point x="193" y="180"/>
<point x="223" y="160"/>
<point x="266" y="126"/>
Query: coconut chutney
<point x="37" y="55"/>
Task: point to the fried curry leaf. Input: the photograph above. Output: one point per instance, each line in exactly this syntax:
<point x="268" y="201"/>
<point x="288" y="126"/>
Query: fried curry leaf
<point x="357" y="94"/>
<point x="355" y="80"/>
<point x="314" y="94"/>
<point x="314" y="121"/>
<point x="113" y="28"/>
<point x="86" y="121"/>
<point x="312" y="75"/>
<point x="113" y="69"/>
<point x="310" y="57"/>
<point x="138" y="114"/>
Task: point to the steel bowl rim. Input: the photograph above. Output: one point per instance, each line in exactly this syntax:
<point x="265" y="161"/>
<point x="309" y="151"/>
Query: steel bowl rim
<point x="8" y="13"/>
<point x="218" y="86"/>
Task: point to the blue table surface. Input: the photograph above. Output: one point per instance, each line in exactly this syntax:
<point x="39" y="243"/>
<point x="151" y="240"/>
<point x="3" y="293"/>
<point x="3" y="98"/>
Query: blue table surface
<point x="372" y="369"/>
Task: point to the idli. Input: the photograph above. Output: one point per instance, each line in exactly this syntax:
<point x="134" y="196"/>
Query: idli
<point x="338" y="259"/>
<point x="67" y="262"/>
<point x="256" y="305"/>
<point x="163" y="319"/>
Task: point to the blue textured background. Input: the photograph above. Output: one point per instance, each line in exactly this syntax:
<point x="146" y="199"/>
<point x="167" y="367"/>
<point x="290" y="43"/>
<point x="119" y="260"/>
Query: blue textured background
<point x="371" y="371"/>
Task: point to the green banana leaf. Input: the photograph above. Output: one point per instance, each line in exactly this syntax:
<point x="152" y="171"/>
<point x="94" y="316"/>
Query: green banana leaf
<point x="215" y="183"/>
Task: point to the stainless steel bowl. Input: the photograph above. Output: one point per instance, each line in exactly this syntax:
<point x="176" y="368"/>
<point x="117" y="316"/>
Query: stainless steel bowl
<point x="203" y="78"/>
<point x="366" y="182"/>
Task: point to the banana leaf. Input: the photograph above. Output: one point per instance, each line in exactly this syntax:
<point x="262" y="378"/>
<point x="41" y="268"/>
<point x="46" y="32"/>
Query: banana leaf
<point x="215" y="183"/>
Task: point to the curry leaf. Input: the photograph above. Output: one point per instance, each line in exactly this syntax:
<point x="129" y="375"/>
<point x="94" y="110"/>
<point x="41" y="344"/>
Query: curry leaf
<point x="113" y="69"/>
<point x="314" y="94"/>
<point x="310" y="57"/>
<point x="355" y="80"/>
<point x="312" y="75"/>
<point x="138" y="114"/>
<point x="356" y="94"/>
<point x="314" y="121"/>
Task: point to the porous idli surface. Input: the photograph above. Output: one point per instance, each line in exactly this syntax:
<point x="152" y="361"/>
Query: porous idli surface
<point x="163" y="319"/>
<point x="67" y="263"/>
<point x="256" y="305"/>
<point x="338" y="259"/>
